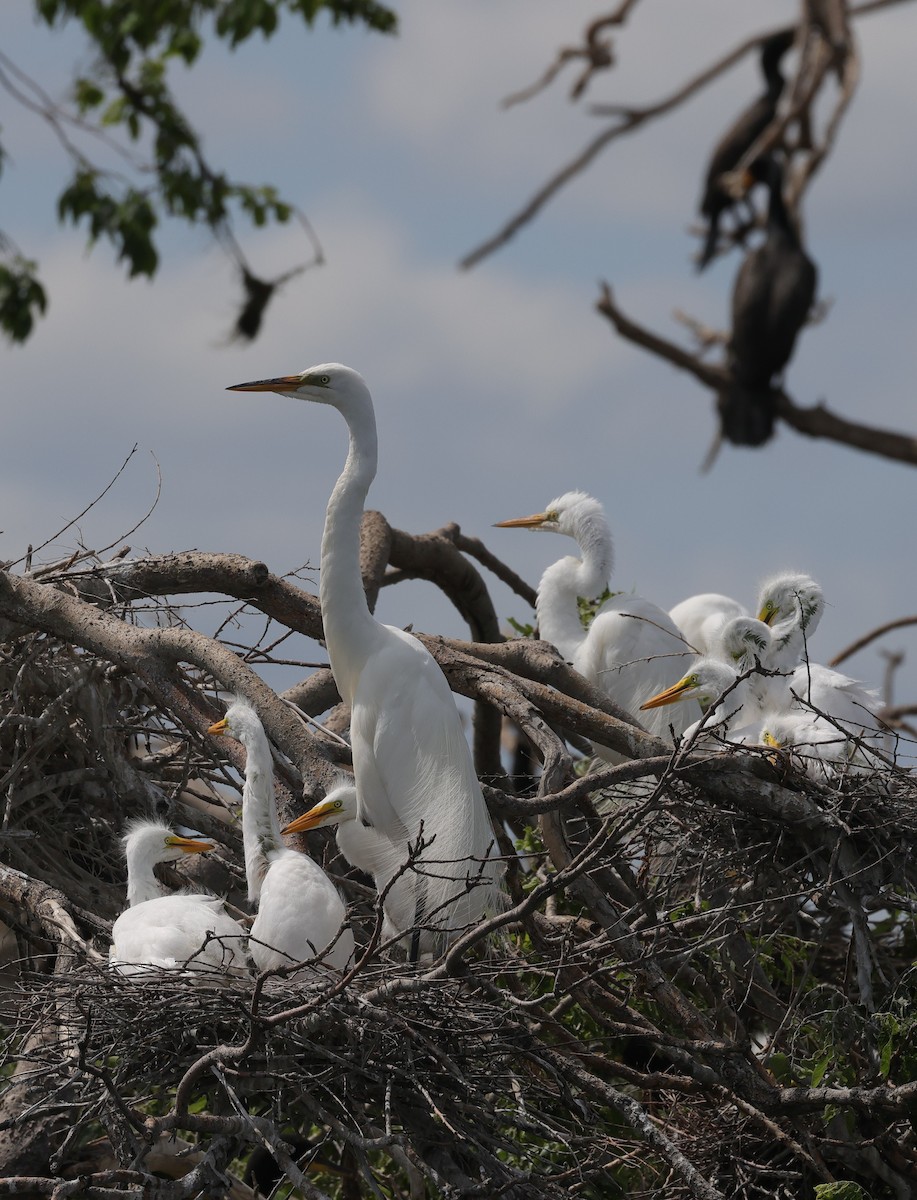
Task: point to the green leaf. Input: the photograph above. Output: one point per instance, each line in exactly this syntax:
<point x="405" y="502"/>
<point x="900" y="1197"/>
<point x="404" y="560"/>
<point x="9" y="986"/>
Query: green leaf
<point x="22" y="299"/>
<point x="87" y="94"/>
<point x="524" y="630"/>
<point x="818" y="1071"/>
<point x="840" y="1190"/>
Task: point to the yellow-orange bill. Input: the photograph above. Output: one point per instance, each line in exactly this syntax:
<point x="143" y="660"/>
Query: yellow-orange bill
<point x="189" y="845"/>
<point x="307" y="820"/>
<point x="521" y="522"/>
<point x="669" y="696"/>
<point x="218" y="728"/>
<point x="282" y="383"/>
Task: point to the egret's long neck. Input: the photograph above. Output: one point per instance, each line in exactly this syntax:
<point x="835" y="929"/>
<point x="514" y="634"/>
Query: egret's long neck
<point x="350" y="629"/>
<point x="142" y="883"/>
<point x="561" y="584"/>
<point x="260" y="826"/>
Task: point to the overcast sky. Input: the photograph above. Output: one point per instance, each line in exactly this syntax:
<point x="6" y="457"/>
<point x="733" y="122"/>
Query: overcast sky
<point x="495" y="389"/>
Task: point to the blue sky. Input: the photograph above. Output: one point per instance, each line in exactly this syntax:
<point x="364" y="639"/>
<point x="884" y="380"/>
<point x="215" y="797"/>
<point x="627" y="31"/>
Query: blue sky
<point x="495" y="389"/>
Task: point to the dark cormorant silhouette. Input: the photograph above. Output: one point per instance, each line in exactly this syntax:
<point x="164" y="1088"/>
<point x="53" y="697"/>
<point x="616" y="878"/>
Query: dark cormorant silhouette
<point x="773" y="292"/>
<point x="742" y="134"/>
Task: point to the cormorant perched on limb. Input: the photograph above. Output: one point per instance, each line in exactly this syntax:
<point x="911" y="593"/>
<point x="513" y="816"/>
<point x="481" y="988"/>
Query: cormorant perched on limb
<point x="738" y="138"/>
<point x="773" y="292"/>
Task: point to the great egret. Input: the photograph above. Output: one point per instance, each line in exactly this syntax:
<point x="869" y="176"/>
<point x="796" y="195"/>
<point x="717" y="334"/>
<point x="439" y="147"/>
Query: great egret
<point x="744" y="643"/>
<point x="825" y="748"/>
<point x="177" y="930"/>
<point x="739" y="138"/>
<point x="631" y="644"/>
<point x="773" y="292"/>
<point x="736" y="715"/>
<point x="700" y="618"/>
<point x="299" y="910"/>
<point x="413" y="772"/>
<point x="791" y="605"/>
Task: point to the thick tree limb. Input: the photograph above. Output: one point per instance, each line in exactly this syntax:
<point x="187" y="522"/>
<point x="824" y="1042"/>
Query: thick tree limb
<point x="816" y="422"/>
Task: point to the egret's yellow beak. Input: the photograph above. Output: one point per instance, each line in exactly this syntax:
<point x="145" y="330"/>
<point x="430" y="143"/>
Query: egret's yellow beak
<point x="311" y="819"/>
<point x="189" y="845"/>
<point x="531" y="522"/>
<point x="767" y="613"/>
<point x="282" y="383"/>
<point x="670" y="695"/>
<point x="769" y="740"/>
<point x="218" y="728"/>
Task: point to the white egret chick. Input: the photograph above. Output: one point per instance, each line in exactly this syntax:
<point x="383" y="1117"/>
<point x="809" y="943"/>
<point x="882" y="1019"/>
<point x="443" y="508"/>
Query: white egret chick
<point x="629" y="649"/>
<point x="179" y="930"/>
<point x="412" y="764"/>
<point x="851" y="704"/>
<point x="735" y="717"/>
<point x="744" y="643"/>
<point x="364" y="847"/>
<point x="791" y="605"/>
<point x="299" y="910"/>
<point x="700" y="619"/>
<point x="824" y="751"/>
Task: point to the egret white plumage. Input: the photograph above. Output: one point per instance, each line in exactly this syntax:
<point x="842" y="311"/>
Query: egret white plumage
<point x="791" y="605"/>
<point x="412" y="765"/>
<point x="745" y="644"/>
<point x="700" y="618"/>
<point x="173" y="930"/>
<point x="823" y="748"/>
<point x="825" y="690"/>
<point x="631" y="645"/>
<point x="299" y="910"/>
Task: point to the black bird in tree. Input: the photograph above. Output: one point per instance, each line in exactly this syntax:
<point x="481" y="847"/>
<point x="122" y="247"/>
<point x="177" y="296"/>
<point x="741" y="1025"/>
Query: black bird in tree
<point x="771" y="298"/>
<point x="738" y="138"/>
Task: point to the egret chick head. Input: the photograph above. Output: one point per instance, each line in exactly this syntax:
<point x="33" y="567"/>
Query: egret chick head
<point x="241" y="721"/>
<point x="793" y="598"/>
<point x="155" y="842"/>
<point x="744" y="639"/>
<point x="705" y="682"/>
<point x="567" y="514"/>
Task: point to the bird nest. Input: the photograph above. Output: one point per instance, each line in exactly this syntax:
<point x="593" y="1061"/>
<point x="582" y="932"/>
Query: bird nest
<point x="701" y="984"/>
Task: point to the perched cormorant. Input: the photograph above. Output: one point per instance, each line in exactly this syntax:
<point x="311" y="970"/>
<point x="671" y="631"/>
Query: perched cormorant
<point x="742" y="134"/>
<point x="773" y="292"/>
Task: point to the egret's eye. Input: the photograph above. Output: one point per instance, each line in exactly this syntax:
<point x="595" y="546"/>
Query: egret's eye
<point x="325" y="379"/>
<point x="338" y="804"/>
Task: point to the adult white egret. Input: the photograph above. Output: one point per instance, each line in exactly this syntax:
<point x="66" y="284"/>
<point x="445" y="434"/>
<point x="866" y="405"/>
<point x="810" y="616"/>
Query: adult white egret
<point x="630" y="646"/>
<point x="700" y="619"/>
<point x="299" y="910"/>
<point x="414" y="777"/>
<point x="177" y="930"/>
